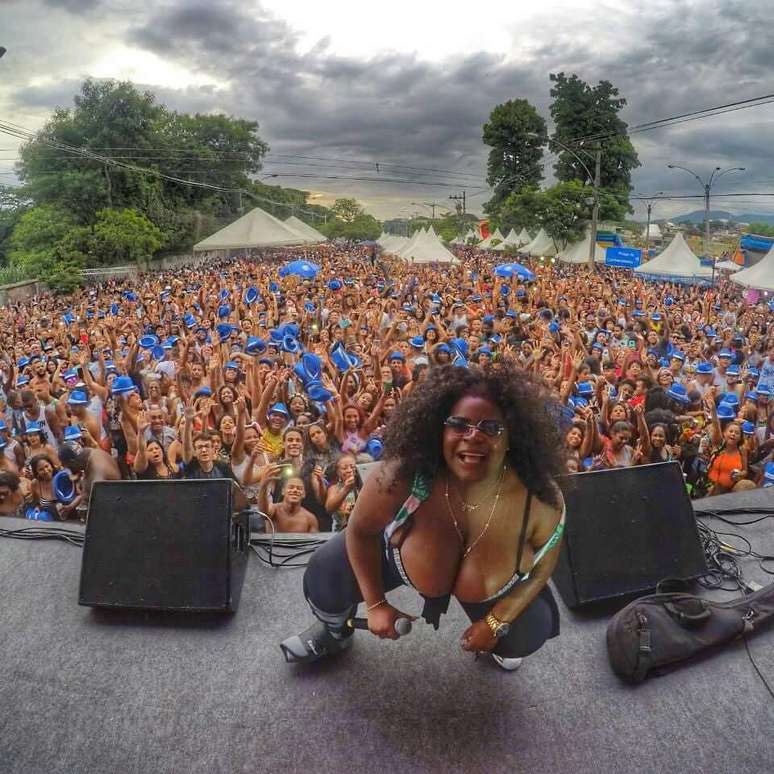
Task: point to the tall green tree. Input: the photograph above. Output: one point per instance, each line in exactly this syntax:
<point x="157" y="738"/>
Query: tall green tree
<point x="516" y="134"/>
<point x="582" y="111"/>
<point x="347" y="210"/>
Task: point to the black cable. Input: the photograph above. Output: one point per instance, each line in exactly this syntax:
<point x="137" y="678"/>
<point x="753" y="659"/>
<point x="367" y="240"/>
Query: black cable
<point x="45" y="533"/>
<point x="755" y="667"/>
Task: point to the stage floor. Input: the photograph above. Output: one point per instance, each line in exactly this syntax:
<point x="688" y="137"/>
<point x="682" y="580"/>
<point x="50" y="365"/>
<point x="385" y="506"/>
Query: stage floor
<point x="83" y="691"/>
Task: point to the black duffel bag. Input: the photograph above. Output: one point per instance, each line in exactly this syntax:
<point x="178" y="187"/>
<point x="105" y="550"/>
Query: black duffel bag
<point x="671" y="626"/>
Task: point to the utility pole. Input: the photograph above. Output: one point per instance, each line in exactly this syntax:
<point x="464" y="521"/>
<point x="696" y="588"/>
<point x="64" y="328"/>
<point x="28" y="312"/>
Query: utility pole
<point x="595" y="211"/>
<point x="461" y="198"/>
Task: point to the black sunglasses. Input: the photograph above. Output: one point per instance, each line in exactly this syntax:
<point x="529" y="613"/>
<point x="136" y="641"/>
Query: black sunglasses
<point x="489" y="427"/>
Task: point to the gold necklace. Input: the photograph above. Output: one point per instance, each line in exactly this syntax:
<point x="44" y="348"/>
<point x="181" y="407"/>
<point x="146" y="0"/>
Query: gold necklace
<point x="470" y="507"/>
<point x="488" y="521"/>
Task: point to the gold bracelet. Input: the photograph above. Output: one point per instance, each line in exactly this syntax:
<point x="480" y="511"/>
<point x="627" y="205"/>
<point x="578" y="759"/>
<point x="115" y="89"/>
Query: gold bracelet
<point x="382" y="601"/>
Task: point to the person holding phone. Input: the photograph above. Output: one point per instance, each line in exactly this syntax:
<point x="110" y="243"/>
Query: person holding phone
<point x="287" y="515"/>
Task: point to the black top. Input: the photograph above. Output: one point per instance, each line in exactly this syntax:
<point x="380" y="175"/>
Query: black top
<point x="194" y="470"/>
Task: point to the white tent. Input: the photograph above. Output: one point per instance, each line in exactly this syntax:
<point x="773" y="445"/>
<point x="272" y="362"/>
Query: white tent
<point x="394" y="243"/>
<point x="579" y="252"/>
<point x="409" y="243"/>
<point x="383" y="237"/>
<point x="655" y="231"/>
<point x="428" y="248"/>
<point x="759" y="276"/>
<point x="491" y="242"/>
<point x="313" y="236"/>
<point x="541" y="245"/>
<point x="675" y="262"/>
<point x="514" y="240"/>
<point x="255" y="229"/>
<point x="524" y="237"/>
<point x="727" y="266"/>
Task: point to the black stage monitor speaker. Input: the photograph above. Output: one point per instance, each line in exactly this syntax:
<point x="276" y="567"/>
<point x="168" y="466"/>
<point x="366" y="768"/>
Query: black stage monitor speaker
<point x="165" y="545"/>
<point x="626" y="529"/>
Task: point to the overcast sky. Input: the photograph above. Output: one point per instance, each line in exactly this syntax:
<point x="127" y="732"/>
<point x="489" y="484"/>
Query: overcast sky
<point x="408" y="85"/>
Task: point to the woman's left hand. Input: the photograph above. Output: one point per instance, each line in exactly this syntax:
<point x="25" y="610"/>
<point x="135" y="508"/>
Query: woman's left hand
<point x="478" y="637"/>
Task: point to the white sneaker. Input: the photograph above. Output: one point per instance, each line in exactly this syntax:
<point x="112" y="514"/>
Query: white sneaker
<point x="509" y="664"/>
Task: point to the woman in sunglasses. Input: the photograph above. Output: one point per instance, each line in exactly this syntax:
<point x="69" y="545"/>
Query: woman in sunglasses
<point x="465" y="505"/>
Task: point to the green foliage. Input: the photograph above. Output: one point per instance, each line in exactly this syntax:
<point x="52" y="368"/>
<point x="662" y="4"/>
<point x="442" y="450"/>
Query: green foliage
<point x="114" y="119"/>
<point x="762" y="229"/>
<point x="36" y="236"/>
<point x="562" y="210"/>
<point x="12" y="207"/>
<point x="515" y="161"/>
<point x="350" y="221"/>
<point x="579" y="110"/>
<point x="125" y="236"/>
<point x="12" y="274"/>
<point x="347" y="210"/>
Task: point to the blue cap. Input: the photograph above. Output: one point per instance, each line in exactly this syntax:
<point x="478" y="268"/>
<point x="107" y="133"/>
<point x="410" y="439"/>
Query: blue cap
<point x="224" y="330"/>
<point x="203" y="392"/>
<point x="335" y="284"/>
<point x="725" y="411"/>
<point x="677" y="355"/>
<point x="763" y="392"/>
<point x="33" y="427"/>
<point x="704" y="368"/>
<point x="726" y="353"/>
<point x="443" y="347"/>
<point x="485" y="351"/>
<point x="655" y="316"/>
<point x="70" y="373"/>
<point x="78" y="398"/>
<point x="417" y="342"/>
<point x="224" y="310"/>
<point x="397" y="356"/>
<point x="189" y="320"/>
<point x="318" y="392"/>
<point x="279" y="408"/>
<point x="678" y="392"/>
<point x="487" y="318"/>
<point x="732" y="370"/>
<point x="148" y="341"/>
<point x="231" y="364"/>
<point x="748" y="428"/>
<point x="751" y="395"/>
<point x="754" y="372"/>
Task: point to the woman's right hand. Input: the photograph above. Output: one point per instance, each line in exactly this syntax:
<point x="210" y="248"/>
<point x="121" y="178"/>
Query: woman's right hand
<point x="381" y="621"/>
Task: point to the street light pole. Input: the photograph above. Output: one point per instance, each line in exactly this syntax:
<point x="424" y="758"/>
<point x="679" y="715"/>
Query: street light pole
<point x="595" y="181"/>
<point x="707" y="188"/>
<point x="647" y="228"/>
<point x="595" y="211"/>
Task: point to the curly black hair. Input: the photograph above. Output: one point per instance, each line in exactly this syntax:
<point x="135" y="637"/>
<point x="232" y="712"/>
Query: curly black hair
<point x="413" y="437"/>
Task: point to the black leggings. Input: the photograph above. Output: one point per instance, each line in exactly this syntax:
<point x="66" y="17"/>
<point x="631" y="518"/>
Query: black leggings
<point x="333" y="593"/>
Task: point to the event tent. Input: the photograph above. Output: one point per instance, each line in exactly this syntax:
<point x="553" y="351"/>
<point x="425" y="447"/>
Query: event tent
<point x="515" y="240"/>
<point x="427" y="248"/>
<point x="312" y="234"/>
<point x="524" y="237"/>
<point x="579" y="252"/>
<point x="760" y="275"/>
<point x="677" y="263"/>
<point x="496" y="237"/>
<point x="254" y="229"/>
<point x="394" y="243"/>
<point x="470" y="235"/>
<point x="541" y="245"/>
<point x="655" y="231"/>
<point x="727" y="266"/>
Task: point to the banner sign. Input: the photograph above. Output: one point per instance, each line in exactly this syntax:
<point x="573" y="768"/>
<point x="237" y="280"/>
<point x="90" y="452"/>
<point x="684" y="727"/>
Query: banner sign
<point x="707" y="262"/>
<point x="623" y="257"/>
<point x="760" y="244"/>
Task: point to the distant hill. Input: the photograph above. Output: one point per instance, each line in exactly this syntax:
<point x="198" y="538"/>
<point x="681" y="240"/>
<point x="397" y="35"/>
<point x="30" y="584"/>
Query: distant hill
<point x="697" y="216"/>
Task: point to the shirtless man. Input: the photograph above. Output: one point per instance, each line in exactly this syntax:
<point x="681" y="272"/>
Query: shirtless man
<point x="93" y="464"/>
<point x="286" y="515"/>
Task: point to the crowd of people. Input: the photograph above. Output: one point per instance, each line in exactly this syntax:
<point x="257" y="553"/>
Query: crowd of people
<point x="286" y="382"/>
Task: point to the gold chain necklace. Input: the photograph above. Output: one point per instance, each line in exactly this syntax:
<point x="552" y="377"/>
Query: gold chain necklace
<point x="471" y="507"/>
<point x="488" y="521"/>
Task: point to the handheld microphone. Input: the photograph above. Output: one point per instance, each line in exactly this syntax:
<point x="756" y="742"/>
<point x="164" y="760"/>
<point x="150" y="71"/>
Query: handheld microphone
<point x="402" y="625"/>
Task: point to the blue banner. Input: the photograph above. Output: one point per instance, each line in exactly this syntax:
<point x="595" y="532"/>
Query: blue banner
<point x="760" y="244"/>
<point x="623" y="257"/>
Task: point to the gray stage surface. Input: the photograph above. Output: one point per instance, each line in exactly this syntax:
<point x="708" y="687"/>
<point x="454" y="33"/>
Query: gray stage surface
<point x="83" y="691"/>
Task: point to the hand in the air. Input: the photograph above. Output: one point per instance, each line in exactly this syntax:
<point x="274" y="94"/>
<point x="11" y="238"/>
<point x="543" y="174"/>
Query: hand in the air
<point x="478" y="638"/>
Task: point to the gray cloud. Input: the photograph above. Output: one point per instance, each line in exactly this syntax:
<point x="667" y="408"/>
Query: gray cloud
<point x="666" y="58"/>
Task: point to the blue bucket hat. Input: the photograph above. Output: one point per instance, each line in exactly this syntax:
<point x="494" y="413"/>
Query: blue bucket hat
<point x="335" y="284"/>
<point x="63" y="487"/>
<point x="72" y="433"/>
<point x="189" y="320"/>
<point x="224" y="310"/>
<point x="417" y="342"/>
<point x="148" y="341"/>
<point x="677" y="355"/>
<point x="344" y="360"/>
<point x="727" y="353"/>
<point x="33" y="427"/>
<point x="255" y="345"/>
<point x="704" y="368"/>
<point x="251" y="295"/>
<point x="78" y="398"/>
<point x="279" y="408"/>
<point x="375" y="448"/>
<point x="763" y="392"/>
<point x="157" y="353"/>
<point x="396" y="355"/>
<point x="224" y="330"/>
<point x="122" y="385"/>
<point x="730" y="399"/>
<point x="318" y="392"/>
<point x="231" y="364"/>
<point x="678" y="392"/>
<point x="768" y="475"/>
<point x="584" y="388"/>
<point x="725" y="412"/>
<point x="443" y="347"/>
<point x="748" y="428"/>
<point x="290" y="344"/>
<point x="203" y="392"/>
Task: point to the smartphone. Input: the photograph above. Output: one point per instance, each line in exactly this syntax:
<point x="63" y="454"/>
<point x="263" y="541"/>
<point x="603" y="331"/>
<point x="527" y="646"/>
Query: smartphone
<point x="286" y="471"/>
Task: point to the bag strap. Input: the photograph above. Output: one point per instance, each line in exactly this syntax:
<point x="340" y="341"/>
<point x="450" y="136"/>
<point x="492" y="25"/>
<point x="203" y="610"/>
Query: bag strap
<point x="644" y="650"/>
